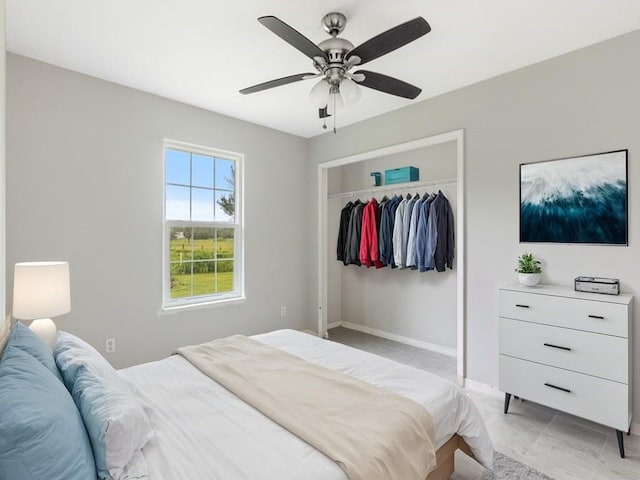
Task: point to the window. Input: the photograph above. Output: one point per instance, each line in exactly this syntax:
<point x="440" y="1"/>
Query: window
<point x="202" y="225"/>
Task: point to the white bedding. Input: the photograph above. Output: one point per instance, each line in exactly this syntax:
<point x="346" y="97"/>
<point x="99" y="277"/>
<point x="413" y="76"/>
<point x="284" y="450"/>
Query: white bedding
<point x="205" y="432"/>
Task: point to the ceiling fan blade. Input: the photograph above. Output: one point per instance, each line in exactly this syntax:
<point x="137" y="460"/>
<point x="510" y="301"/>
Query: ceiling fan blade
<point x="292" y="36"/>
<point x="386" y="84"/>
<point x="390" y="40"/>
<point x="276" y="83"/>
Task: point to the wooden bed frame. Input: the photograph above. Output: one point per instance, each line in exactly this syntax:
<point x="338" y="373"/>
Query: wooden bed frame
<point x="445" y="457"/>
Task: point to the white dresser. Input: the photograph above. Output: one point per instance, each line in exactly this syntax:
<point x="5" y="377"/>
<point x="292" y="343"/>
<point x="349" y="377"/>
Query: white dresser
<point x="568" y="350"/>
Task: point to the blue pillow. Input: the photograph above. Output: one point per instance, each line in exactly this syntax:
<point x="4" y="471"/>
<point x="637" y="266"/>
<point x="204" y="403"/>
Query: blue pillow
<point x="24" y="339"/>
<point x="116" y="422"/>
<point x="41" y="431"/>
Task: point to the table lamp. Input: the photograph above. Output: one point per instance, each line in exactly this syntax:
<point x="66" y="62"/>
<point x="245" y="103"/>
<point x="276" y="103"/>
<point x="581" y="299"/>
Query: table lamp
<point x="40" y="291"/>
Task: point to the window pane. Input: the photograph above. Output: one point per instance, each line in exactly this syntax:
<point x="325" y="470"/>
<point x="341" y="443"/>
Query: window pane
<point x="202" y="171"/>
<point x="180" y="247"/>
<point x="178" y="167"/>
<point x="202" y="204"/>
<point x="177" y="206"/>
<point x="224" y="244"/>
<point x="200" y="197"/>
<point x="204" y="278"/>
<point x="225" y="174"/>
<point x="204" y="243"/>
<point x="180" y="280"/>
<point x="225" y="275"/>
<point x="225" y="206"/>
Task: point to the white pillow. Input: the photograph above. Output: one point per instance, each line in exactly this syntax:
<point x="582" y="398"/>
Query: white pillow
<point x="116" y="422"/>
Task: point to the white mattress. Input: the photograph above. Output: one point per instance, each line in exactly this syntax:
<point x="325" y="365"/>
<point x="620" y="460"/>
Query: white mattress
<point x="205" y="432"/>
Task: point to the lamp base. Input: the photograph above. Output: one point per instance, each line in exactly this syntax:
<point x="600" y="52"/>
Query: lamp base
<point x="46" y="330"/>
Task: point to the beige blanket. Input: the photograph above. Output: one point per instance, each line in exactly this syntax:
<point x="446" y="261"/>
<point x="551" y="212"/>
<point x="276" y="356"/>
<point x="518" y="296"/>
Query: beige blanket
<point x="370" y="432"/>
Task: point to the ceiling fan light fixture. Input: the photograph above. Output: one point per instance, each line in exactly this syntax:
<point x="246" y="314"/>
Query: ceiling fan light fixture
<point x="350" y="91"/>
<point x="319" y="94"/>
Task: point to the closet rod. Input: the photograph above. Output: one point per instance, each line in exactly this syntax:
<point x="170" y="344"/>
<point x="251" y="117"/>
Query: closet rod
<point x="396" y="186"/>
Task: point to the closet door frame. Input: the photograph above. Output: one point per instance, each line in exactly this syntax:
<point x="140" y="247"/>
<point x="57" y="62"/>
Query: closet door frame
<point x="456" y="136"/>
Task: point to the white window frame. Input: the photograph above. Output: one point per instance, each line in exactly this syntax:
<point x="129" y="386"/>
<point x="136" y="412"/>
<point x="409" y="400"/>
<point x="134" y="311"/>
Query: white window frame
<point x="238" y="293"/>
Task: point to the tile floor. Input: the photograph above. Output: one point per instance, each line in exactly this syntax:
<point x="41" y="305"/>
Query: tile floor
<point x="562" y="446"/>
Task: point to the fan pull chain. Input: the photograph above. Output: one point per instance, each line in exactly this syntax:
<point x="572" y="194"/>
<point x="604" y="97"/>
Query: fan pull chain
<point x="335" y="113"/>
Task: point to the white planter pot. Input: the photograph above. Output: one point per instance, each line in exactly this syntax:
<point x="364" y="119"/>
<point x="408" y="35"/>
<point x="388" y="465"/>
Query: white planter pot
<point x="528" y="279"/>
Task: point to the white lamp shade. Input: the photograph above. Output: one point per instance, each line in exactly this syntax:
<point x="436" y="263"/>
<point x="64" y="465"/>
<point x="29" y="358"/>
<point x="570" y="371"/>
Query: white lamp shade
<point x="41" y="290"/>
<point x="319" y="94"/>
<point x="350" y="91"/>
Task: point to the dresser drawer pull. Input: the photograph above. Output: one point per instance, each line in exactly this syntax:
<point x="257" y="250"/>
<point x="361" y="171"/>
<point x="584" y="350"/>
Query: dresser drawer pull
<point x="599" y="317"/>
<point x="557" y="346"/>
<point x="557" y="388"/>
<point x="522" y="306"/>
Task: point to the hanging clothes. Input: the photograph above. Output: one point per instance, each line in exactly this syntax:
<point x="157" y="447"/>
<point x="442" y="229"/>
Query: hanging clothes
<point x="369" y="252"/>
<point x="354" y="231"/>
<point x="406" y="225"/>
<point x="432" y="236"/>
<point x="399" y="247"/>
<point x="345" y="215"/>
<point x="445" y="244"/>
<point x="422" y="252"/>
<point x="413" y="229"/>
<point x="411" y="232"/>
<point x="385" y="239"/>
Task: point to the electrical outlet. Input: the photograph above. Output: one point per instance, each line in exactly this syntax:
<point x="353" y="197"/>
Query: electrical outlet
<point x="110" y="346"/>
<point x="283" y="310"/>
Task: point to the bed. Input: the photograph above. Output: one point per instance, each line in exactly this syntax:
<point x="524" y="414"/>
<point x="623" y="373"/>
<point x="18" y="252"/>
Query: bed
<point x="200" y="430"/>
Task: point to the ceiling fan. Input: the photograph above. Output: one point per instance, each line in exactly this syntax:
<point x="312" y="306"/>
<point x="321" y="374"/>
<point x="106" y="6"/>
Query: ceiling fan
<point x="334" y="57"/>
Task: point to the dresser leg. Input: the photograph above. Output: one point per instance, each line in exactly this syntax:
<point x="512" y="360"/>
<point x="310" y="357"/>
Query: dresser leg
<point x="620" y="443"/>
<point x="507" y="399"/>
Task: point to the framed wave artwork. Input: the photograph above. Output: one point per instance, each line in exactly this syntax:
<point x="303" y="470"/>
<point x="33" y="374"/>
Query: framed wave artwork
<point x="575" y="200"/>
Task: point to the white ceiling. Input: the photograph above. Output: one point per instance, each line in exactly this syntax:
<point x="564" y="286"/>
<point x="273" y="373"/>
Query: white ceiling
<point x="202" y="52"/>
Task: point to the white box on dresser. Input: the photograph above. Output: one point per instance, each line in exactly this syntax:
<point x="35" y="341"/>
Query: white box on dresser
<point x="569" y="350"/>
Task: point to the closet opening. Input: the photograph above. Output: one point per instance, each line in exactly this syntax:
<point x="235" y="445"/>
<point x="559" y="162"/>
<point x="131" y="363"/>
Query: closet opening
<point x="424" y="309"/>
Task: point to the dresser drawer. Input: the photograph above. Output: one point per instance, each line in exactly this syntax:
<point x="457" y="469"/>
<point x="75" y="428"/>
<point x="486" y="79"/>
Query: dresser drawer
<point x="602" y="401"/>
<point x="585" y="352"/>
<point x="588" y="315"/>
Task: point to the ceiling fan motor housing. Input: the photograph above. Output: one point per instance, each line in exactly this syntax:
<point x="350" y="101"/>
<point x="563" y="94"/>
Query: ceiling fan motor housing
<point x="335" y="50"/>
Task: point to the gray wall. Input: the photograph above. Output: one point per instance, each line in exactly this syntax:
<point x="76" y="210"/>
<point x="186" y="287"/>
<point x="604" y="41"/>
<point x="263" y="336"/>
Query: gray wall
<point x="84" y="184"/>
<point x="583" y="102"/>
<point x="420" y="306"/>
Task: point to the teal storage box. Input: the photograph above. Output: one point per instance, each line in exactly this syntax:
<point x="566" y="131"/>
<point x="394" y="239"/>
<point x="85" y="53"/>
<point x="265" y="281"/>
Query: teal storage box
<point x="401" y="175"/>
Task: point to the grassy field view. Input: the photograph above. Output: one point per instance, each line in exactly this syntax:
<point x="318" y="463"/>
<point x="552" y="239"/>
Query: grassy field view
<point x="203" y="284"/>
<point x="201" y="266"/>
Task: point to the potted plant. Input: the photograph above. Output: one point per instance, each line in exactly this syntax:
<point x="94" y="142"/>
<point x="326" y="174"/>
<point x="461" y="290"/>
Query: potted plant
<point x="528" y="270"/>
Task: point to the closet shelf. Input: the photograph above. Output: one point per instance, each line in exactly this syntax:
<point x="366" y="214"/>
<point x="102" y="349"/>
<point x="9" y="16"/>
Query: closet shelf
<point x="394" y="187"/>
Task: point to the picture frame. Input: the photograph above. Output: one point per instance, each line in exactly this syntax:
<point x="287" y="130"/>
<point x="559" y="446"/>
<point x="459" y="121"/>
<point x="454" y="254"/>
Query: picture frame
<point x="582" y="199"/>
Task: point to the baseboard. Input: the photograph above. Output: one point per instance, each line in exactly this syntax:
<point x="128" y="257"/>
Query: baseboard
<point x="399" y="338"/>
<point x="482" y="387"/>
<point x="333" y="325"/>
